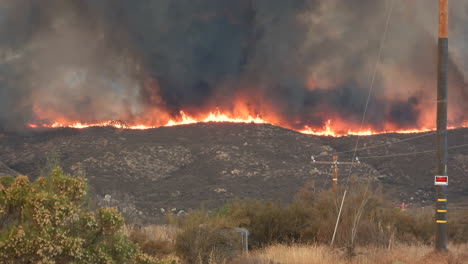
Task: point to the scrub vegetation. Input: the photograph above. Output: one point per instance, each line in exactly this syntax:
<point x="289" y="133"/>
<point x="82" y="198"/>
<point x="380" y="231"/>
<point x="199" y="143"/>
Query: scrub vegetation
<point x="48" y="221"/>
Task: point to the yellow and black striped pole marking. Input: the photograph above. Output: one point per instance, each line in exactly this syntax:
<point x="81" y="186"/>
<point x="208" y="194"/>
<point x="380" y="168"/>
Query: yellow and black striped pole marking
<point x="441" y="142"/>
<point x="441" y="214"/>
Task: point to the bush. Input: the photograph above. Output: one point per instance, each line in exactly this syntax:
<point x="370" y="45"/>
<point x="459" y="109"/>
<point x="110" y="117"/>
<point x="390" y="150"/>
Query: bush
<point x="206" y="238"/>
<point x="154" y="240"/>
<point x="367" y="218"/>
<point x="270" y="222"/>
<point x="45" y="222"/>
<point x="310" y="219"/>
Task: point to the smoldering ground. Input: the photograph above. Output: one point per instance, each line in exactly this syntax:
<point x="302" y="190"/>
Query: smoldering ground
<point x="304" y="61"/>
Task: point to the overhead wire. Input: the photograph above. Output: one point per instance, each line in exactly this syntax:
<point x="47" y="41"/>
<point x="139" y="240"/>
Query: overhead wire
<point x="371" y="88"/>
<point x="435" y="17"/>
<point x="410" y="153"/>
<point x="379" y="145"/>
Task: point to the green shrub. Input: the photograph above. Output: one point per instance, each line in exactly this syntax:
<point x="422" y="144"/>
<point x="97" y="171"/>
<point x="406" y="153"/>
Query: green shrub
<point x="45" y="222"/>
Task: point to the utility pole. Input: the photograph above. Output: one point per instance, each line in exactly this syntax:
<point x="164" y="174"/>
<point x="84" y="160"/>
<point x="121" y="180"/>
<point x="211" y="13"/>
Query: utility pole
<point x="335" y="164"/>
<point x="335" y="172"/>
<point x="441" y="178"/>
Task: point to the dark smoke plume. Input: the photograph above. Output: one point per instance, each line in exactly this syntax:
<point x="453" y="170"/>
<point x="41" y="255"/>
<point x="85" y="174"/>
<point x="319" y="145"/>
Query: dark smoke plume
<point x="145" y="60"/>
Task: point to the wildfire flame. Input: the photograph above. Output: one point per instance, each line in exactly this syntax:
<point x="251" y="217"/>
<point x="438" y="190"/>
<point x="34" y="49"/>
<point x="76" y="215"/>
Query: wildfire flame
<point x="332" y="128"/>
<point x="332" y="131"/>
<point x="217" y="117"/>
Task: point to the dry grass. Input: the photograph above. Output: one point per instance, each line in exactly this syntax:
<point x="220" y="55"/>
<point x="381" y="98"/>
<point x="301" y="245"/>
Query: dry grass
<point x="161" y="232"/>
<point x="155" y="240"/>
<point x="280" y="254"/>
<point x="161" y="239"/>
<point x="291" y="255"/>
<point x="154" y="232"/>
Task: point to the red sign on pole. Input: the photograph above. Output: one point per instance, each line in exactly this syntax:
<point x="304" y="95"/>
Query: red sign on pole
<point x="441" y="180"/>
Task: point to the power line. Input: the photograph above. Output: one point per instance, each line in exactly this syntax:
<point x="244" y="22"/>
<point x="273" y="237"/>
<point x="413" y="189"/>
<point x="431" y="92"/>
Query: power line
<point x="410" y="153"/>
<point x="380" y="145"/>
<point x="371" y="88"/>
<point x="383" y="144"/>
<point x="398" y="155"/>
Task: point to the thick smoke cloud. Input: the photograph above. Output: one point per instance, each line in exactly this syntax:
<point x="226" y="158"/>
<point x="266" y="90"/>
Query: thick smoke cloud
<point x="303" y="61"/>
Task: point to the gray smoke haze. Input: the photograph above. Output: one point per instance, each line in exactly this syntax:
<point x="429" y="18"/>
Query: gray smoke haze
<point x="304" y="61"/>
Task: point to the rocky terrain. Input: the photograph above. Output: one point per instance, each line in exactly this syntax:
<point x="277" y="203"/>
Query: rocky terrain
<point x="148" y="172"/>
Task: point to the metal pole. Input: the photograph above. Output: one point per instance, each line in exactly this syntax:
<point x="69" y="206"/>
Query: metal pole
<point x="441" y="142"/>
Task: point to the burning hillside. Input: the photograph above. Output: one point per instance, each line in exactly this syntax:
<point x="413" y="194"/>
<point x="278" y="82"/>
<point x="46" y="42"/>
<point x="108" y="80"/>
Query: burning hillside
<point x="301" y="65"/>
<point x="329" y="129"/>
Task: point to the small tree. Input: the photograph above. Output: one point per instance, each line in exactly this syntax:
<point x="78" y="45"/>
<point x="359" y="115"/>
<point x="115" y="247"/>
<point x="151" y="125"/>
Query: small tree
<point x="45" y="222"/>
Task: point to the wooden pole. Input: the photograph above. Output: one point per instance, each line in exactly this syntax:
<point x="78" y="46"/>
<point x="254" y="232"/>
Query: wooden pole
<point x="335" y="164"/>
<point x="335" y="172"/>
<point x="441" y="142"/>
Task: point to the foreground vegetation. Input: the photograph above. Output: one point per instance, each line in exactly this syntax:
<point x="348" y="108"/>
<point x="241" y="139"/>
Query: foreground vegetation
<point x="164" y="237"/>
<point x="320" y="254"/>
<point x="47" y="221"/>
<point x="370" y="228"/>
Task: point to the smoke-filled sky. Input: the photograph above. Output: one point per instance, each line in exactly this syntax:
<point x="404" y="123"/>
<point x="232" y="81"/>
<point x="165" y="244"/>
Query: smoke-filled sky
<point x="299" y="61"/>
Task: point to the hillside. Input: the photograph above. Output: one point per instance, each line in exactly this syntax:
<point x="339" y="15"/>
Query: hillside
<point x="204" y="165"/>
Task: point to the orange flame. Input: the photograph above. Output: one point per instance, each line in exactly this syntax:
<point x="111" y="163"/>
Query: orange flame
<point x="329" y="130"/>
<point x="332" y="128"/>
<point x="215" y="117"/>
